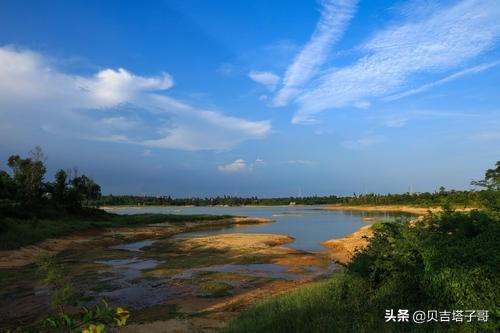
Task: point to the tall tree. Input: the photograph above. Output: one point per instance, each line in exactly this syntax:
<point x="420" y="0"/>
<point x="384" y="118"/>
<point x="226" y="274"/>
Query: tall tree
<point x="60" y="186"/>
<point x="7" y="186"/>
<point x="28" y="176"/>
<point x="491" y="185"/>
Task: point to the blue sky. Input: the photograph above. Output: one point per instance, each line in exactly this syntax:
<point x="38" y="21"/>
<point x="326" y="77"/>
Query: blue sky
<point x="267" y="98"/>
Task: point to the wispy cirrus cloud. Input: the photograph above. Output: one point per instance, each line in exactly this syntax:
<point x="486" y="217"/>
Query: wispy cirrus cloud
<point x="444" y="39"/>
<point x="449" y="78"/>
<point x="112" y="105"/>
<point x="335" y="16"/>
<point x="268" y="79"/>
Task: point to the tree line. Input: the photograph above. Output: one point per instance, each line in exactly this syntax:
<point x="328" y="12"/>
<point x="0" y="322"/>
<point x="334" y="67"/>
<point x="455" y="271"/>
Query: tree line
<point x="471" y="198"/>
<point x="25" y="189"/>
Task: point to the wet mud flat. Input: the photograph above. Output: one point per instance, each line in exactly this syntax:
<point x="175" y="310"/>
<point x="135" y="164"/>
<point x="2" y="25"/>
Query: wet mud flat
<point x="168" y="283"/>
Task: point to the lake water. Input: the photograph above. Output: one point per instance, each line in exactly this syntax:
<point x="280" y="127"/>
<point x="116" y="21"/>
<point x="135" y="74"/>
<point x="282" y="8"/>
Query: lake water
<point x="309" y="225"/>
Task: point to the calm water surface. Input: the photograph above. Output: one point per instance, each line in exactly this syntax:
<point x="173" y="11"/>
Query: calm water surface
<point x="309" y="225"/>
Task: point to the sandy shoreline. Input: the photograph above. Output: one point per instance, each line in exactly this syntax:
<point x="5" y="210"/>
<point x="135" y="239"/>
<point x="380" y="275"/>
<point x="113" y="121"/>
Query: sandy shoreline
<point x="343" y="249"/>
<point x="391" y="208"/>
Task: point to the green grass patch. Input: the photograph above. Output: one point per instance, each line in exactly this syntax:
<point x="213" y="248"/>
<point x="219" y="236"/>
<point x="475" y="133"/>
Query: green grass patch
<point x="154" y="313"/>
<point x="214" y="289"/>
<point x="15" y="233"/>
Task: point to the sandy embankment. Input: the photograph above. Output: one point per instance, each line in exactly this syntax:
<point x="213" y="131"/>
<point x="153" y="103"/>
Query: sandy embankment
<point x="236" y="241"/>
<point x="25" y="255"/>
<point x="387" y="208"/>
<point x="342" y="249"/>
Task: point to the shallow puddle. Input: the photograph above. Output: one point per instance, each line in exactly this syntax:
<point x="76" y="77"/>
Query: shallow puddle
<point x="271" y="271"/>
<point x="130" y="268"/>
<point x="134" y="247"/>
<point x="257" y="270"/>
<point x="137" y="297"/>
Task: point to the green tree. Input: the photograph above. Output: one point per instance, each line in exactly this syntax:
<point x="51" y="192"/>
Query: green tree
<point x="491" y="184"/>
<point x="83" y="190"/>
<point x="60" y="187"/>
<point x="28" y="176"/>
<point x="7" y="186"/>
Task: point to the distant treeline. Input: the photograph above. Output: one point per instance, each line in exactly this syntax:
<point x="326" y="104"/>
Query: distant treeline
<point x="427" y="199"/>
<point x="114" y="200"/>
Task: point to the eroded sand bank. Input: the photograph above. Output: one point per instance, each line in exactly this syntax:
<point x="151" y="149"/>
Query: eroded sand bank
<point x="342" y="249"/>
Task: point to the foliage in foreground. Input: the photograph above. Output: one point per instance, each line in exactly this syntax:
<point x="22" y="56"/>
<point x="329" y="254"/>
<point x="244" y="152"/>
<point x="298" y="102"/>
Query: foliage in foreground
<point x="449" y="261"/>
<point x="68" y="315"/>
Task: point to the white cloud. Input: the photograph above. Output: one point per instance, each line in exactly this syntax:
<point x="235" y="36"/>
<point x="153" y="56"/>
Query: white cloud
<point x="28" y="76"/>
<point x="237" y="166"/>
<point x="268" y="79"/>
<point x="449" y="78"/>
<point x="111" y="87"/>
<point x="241" y="165"/>
<point x="446" y="39"/>
<point x="196" y="129"/>
<point x="335" y="16"/>
<point x="147" y="152"/>
<point x="98" y="107"/>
